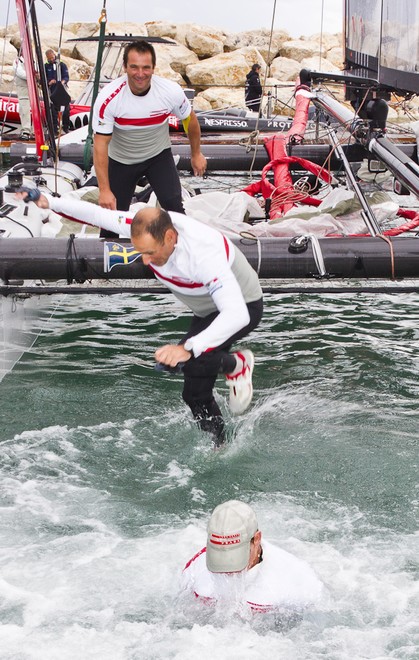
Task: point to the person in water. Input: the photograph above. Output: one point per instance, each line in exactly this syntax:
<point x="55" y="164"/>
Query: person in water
<point x="237" y="564"/>
<point x="130" y="121"/>
<point x="253" y="89"/>
<point x="213" y="278"/>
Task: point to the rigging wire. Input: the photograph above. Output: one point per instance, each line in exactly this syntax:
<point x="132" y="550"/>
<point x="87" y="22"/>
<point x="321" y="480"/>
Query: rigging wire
<point x="255" y="133"/>
<point x="3" y="123"/>
<point x="89" y="140"/>
<point x="61" y="28"/>
<point x="321" y="36"/>
<point x="60" y="112"/>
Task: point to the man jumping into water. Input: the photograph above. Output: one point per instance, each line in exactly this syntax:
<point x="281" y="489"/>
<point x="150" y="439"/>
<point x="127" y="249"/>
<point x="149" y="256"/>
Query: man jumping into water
<point x="213" y="278"/>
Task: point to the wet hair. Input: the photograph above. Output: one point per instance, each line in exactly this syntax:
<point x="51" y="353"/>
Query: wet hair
<point x="156" y="226"/>
<point x="141" y="47"/>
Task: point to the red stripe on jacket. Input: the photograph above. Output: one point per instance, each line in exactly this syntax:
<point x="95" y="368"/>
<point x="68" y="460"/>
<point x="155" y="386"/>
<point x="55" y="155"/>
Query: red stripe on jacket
<point x="186" y="285"/>
<point x="144" y="121"/>
<point x="109" y="99"/>
<point x="198" y="554"/>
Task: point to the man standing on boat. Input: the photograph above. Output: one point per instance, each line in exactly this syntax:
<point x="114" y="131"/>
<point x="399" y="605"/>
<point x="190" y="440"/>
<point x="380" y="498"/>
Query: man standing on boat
<point x="207" y="273"/>
<point x="57" y="80"/>
<point x="130" y="120"/>
<point x="253" y="89"/>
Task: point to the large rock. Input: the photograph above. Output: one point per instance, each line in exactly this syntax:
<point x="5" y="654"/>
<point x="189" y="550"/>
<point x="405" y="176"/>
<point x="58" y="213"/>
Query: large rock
<point x="187" y="31"/>
<point x="76" y="88"/>
<point x="129" y="30"/>
<point x="82" y="30"/>
<point x="184" y="32"/>
<point x="9" y="32"/>
<point x="298" y="50"/>
<point x="85" y="51"/>
<point x="79" y="73"/>
<point x="204" y="44"/>
<point x="161" y="29"/>
<point x="164" y="70"/>
<point x="201" y="103"/>
<point x="222" y="97"/>
<point x="50" y="38"/>
<point x="112" y="57"/>
<point x="78" y="70"/>
<point x="283" y="68"/>
<point x="259" y="39"/>
<point x="177" y="55"/>
<point x="228" y="69"/>
<point x="7" y="79"/>
<point x="335" y="55"/>
<point x="8" y="52"/>
<point x="327" y="40"/>
<point x="319" y="64"/>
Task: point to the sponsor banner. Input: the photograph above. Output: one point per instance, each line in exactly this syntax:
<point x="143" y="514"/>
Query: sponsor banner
<point x="9" y="109"/>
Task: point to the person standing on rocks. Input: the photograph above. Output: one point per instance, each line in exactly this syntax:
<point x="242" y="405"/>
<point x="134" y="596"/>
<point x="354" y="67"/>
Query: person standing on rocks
<point x="130" y="121"/>
<point x="253" y="89"/>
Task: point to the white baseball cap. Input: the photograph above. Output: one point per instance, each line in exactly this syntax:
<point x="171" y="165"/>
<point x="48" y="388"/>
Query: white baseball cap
<point x="231" y="527"/>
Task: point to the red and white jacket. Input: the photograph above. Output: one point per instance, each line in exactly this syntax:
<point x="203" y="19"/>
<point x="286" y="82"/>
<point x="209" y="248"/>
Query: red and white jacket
<point x="280" y="581"/>
<point x="206" y="271"/>
<point x="138" y="123"/>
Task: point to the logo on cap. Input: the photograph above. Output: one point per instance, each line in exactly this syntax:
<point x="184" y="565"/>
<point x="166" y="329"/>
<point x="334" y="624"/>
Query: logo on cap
<point x="228" y="539"/>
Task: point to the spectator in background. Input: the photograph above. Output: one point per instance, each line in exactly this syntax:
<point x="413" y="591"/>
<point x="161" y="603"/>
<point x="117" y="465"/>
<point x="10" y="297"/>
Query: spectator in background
<point x="57" y="80"/>
<point x="23" y="96"/>
<point x="253" y="89"/>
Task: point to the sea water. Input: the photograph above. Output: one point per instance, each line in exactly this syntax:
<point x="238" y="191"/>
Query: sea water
<point x="106" y="485"/>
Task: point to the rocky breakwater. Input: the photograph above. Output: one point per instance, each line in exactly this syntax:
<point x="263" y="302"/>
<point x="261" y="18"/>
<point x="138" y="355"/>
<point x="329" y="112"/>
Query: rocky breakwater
<point x="210" y="60"/>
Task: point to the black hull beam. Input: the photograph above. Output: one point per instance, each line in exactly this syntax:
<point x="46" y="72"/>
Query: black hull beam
<point x="233" y="157"/>
<point x="78" y="260"/>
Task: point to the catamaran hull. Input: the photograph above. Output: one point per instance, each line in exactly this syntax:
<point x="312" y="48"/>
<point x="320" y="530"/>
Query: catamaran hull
<point x="215" y="121"/>
<point x="223" y="156"/>
<point x="84" y="259"/>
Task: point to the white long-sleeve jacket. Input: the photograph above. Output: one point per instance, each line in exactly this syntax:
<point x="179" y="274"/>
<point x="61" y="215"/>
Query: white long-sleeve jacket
<point x="280" y="581"/>
<point x="206" y="271"/>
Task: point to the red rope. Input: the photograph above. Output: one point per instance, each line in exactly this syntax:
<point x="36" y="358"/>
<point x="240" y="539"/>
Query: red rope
<point x="401" y="229"/>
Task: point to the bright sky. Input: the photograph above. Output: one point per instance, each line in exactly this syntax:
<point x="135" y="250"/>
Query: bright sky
<point x="298" y="17"/>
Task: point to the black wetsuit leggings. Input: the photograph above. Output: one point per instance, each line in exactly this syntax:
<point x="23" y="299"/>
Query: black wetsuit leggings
<point x="162" y="175"/>
<point x="65" y="118"/>
<point x="201" y="373"/>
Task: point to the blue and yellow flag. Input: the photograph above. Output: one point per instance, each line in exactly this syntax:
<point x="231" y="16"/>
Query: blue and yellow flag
<point x="116" y="254"/>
